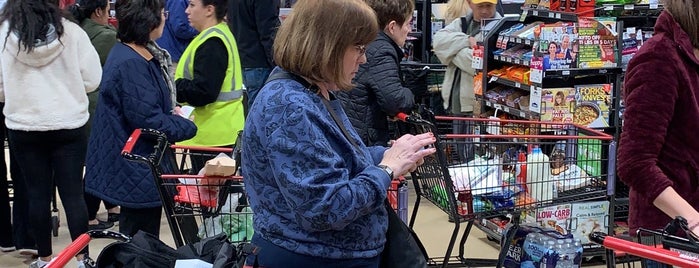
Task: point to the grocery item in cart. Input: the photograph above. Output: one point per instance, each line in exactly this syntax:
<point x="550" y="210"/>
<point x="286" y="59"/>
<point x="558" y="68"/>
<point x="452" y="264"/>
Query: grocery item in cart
<point x="204" y="191"/>
<point x="237" y="225"/>
<point x="539" y="181"/>
<point x="480" y="175"/>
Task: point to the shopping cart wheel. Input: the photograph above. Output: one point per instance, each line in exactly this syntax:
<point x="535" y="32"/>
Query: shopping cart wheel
<point x="55" y="223"/>
<point x="492" y="239"/>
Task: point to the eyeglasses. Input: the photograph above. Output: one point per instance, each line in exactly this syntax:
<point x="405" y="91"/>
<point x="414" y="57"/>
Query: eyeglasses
<point x="166" y="13"/>
<point x="361" y="48"/>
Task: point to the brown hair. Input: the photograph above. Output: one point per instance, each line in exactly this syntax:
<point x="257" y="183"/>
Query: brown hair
<point x="312" y="40"/>
<point x="392" y="10"/>
<point x="686" y="13"/>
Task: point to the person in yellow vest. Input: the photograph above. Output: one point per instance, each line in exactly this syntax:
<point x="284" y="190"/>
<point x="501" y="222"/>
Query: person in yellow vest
<point x="209" y="78"/>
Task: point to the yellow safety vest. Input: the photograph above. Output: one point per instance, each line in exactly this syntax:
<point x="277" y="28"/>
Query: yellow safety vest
<point x="217" y="123"/>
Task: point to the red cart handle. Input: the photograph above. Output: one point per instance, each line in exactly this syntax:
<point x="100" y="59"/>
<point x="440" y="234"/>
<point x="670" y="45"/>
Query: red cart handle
<point x="81" y="242"/>
<point x="128" y="146"/>
<point x="644" y="251"/>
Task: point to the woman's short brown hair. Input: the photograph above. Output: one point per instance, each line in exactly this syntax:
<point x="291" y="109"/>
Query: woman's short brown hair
<point x="312" y="40"/>
<point x="686" y="13"/>
<point x="392" y="10"/>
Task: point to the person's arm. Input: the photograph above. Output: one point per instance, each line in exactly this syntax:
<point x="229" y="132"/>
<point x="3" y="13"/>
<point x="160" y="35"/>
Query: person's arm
<point x="177" y="20"/>
<point x="452" y="46"/>
<point x="143" y="108"/>
<point x="391" y="95"/>
<point x="644" y="132"/>
<point x="89" y="62"/>
<point x="267" y="15"/>
<point x="210" y="63"/>
<point x="376" y="153"/>
<point x="313" y="176"/>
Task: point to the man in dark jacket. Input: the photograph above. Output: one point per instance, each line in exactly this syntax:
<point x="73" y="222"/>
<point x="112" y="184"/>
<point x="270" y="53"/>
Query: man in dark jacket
<point x="379" y="92"/>
<point x="254" y="24"/>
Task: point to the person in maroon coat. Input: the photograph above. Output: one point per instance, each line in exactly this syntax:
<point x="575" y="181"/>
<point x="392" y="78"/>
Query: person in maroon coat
<point x="659" y="153"/>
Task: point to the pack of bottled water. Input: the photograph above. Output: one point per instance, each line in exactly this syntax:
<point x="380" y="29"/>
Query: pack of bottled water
<point x="535" y="247"/>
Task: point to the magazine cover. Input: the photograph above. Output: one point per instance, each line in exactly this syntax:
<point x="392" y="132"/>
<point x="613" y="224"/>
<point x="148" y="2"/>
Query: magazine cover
<point x="597" y="45"/>
<point x="592" y="105"/>
<point x="557" y="46"/>
<point x="557" y="105"/>
<point x="588" y="217"/>
<point x="556" y="217"/>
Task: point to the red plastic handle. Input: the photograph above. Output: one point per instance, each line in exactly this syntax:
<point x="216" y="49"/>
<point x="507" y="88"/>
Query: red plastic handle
<point x="648" y="252"/>
<point x="128" y="146"/>
<point x="69" y="252"/>
<point x="402" y="117"/>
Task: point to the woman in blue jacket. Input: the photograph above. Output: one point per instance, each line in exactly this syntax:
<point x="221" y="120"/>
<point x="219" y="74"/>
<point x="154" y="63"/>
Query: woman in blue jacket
<point x="136" y="92"/>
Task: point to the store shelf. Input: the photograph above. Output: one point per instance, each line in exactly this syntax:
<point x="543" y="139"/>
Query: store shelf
<point x="610" y="7"/>
<point x="509" y="110"/>
<point x="579" y="72"/>
<point x="542" y="13"/>
<point x="510" y="83"/>
<point x="519" y="40"/>
<point x="511" y="60"/>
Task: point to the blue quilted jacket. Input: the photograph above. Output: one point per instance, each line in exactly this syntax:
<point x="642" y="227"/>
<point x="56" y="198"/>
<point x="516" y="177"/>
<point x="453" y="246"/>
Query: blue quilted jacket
<point x="133" y="94"/>
<point x="311" y="191"/>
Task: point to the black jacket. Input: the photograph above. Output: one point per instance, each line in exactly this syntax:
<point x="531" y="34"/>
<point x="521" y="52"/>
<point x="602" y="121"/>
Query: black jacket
<point x="254" y="24"/>
<point x="378" y="93"/>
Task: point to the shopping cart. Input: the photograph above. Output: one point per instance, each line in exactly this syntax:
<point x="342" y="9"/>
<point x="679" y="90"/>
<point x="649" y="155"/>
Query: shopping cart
<point x="488" y="167"/>
<point x="425" y="81"/>
<point x="196" y="206"/>
<point x="663" y="246"/>
<point x="81" y="242"/>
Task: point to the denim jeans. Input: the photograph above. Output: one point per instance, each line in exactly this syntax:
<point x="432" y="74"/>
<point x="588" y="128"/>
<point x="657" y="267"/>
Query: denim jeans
<point x="47" y="158"/>
<point x="254" y="79"/>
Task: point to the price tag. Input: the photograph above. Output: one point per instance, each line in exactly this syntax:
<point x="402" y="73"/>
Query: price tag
<point x="536" y="74"/>
<point x="565" y="72"/>
<point x="535" y="13"/>
<point x="532" y="88"/>
<point x="526" y="63"/>
<point x="517" y="61"/>
<point x="608" y="7"/>
<point x="518" y="40"/>
<point x="504" y="44"/>
<point x="527" y="42"/>
<point x="506" y="109"/>
<point x="477" y="62"/>
<point x="551" y="15"/>
<point x="508" y="59"/>
<point x="558" y="15"/>
<point x="524" y="15"/>
<point x="628" y="7"/>
<point x="493" y="79"/>
<point x="653" y="6"/>
<point x="518" y="85"/>
<point x="522" y="114"/>
<point x="489" y="104"/>
<point x="497" y="106"/>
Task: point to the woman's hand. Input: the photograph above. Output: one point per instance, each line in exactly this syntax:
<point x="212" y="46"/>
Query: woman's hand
<point x="407" y="153"/>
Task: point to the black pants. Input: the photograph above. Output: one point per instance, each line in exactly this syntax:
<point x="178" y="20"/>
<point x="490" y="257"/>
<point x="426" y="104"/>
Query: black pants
<point x="47" y="158"/>
<point x="20" y="208"/>
<point x="131" y="220"/>
<point x="93" y="205"/>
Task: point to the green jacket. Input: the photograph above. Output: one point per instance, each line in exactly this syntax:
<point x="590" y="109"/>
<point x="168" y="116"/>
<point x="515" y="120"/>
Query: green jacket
<point x="103" y="38"/>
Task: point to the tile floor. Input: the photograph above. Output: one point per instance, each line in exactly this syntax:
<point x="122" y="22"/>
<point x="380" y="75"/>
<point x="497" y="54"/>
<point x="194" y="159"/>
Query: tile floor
<point x="431" y="225"/>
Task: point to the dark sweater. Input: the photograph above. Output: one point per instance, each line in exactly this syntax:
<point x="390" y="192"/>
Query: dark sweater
<point x="210" y="63"/>
<point x="657" y="149"/>
<point x="254" y="24"/>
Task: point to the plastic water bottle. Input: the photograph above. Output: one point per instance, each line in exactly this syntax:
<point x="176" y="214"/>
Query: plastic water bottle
<point x="577" y="253"/>
<point x="539" y="176"/>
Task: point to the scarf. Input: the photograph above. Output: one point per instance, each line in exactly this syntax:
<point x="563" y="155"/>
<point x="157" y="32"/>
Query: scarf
<point x="165" y="62"/>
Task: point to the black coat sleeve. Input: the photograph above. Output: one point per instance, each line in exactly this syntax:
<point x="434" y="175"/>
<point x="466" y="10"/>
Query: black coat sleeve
<point x="391" y="95"/>
<point x="267" y="15"/>
<point x="210" y="63"/>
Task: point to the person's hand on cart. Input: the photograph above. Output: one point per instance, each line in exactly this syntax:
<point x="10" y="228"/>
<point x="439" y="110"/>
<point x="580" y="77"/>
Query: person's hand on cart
<point x="407" y="153"/>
